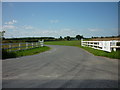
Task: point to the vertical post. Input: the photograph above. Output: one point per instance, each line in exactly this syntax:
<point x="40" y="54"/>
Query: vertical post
<point x="114" y="49"/>
<point x="36" y="44"/>
<point x="10" y="47"/>
<point x="81" y="42"/>
<point x="109" y="47"/>
<point x="41" y="43"/>
<point x="93" y="44"/>
<point x="97" y="45"/>
<point x="103" y="44"/>
<point x="19" y="46"/>
<point x="32" y="44"/>
<point x="115" y="44"/>
<point x="26" y="45"/>
<point x="87" y="44"/>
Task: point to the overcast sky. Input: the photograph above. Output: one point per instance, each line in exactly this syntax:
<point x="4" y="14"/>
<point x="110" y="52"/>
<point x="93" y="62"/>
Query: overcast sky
<point x="55" y="19"/>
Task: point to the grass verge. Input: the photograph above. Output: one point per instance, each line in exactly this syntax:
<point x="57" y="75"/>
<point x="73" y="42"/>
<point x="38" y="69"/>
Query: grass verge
<point x="20" y="53"/>
<point x="114" y="55"/>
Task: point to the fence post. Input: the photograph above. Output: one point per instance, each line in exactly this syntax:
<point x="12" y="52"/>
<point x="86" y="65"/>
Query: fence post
<point x="93" y="45"/>
<point x="109" y="48"/>
<point x="114" y="49"/>
<point x="42" y="44"/>
<point x="87" y="43"/>
<point x="10" y="46"/>
<point x="19" y="46"/>
<point x="26" y="45"/>
<point x="36" y="45"/>
<point x="32" y="44"/>
<point x="81" y="42"/>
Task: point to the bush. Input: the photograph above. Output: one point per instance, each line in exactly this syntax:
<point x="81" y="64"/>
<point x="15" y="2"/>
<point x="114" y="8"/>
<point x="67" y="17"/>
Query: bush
<point x="6" y="54"/>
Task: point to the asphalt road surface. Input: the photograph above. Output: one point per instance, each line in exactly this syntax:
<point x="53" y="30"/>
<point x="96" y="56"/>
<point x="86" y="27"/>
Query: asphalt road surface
<point x="61" y="67"/>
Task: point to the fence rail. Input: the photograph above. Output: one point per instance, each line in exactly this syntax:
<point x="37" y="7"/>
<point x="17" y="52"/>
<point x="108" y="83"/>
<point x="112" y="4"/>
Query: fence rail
<point x="21" y="46"/>
<point x="102" y="45"/>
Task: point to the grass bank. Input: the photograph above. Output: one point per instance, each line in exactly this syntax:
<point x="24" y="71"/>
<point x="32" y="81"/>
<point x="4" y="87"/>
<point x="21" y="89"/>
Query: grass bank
<point x="20" y="53"/>
<point x="114" y="55"/>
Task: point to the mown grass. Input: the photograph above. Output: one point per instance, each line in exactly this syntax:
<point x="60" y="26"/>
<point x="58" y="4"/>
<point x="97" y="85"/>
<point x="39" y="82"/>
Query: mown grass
<point x="65" y="43"/>
<point x="20" y="53"/>
<point x="114" y="55"/>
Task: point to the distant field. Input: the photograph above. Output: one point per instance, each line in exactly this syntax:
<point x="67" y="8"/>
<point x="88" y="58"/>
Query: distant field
<point x="66" y="43"/>
<point x="96" y="52"/>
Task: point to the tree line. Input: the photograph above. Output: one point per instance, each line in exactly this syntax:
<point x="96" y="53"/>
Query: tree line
<point x="77" y="37"/>
<point x="35" y="39"/>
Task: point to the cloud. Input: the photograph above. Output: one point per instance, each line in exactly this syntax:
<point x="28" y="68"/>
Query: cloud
<point x="11" y="22"/>
<point x="55" y="33"/>
<point x="5" y="27"/>
<point x="93" y="29"/>
<point x="54" y="21"/>
<point x="20" y="32"/>
<point x="28" y="27"/>
<point x="9" y="25"/>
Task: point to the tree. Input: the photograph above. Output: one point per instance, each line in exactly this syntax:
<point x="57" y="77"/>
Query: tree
<point x="67" y="38"/>
<point x="61" y="38"/>
<point x="2" y="34"/>
<point x="79" y="37"/>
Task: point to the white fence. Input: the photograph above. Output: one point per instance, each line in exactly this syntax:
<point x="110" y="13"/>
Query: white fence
<point x="22" y="46"/>
<point x="101" y="45"/>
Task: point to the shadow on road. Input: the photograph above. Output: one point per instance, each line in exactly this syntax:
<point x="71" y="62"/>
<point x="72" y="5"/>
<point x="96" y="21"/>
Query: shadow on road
<point x="60" y="84"/>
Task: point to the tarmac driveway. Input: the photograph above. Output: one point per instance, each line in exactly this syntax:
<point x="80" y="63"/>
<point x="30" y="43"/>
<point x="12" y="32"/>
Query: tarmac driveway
<point x="61" y="67"/>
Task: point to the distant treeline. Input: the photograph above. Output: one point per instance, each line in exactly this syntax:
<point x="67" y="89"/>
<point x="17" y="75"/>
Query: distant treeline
<point x="27" y="39"/>
<point x="36" y="39"/>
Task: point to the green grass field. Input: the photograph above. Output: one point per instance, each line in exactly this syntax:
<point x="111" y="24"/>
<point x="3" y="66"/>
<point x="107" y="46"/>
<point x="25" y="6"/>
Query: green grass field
<point x="20" y="53"/>
<point x="66" y="43"/>
<point x="114" y="55"/>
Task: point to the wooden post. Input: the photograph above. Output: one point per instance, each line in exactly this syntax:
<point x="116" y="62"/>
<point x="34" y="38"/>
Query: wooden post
<point x="19" y="46"/>
<point x="42" y="43"/>
<point x="36" y="44"/>
<point x="93" y="45"/>
<point x="87" y="44"/>
<point x="81" y="42"/>
<point x="26" y="45"/>
<point x="114" y="49"/>
<point x="10" y="47"/>
<point x="32" y="44"/>
<point x="39" y="43"/>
